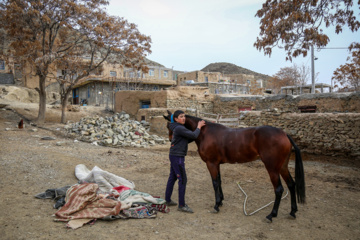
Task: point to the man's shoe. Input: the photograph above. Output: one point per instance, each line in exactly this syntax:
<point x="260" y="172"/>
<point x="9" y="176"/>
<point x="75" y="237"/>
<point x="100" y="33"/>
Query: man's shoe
<point x="171" y="203"/>
<point x="185" y="208"/>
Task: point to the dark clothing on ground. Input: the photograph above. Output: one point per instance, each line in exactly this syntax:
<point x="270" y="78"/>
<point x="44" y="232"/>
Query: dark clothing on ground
<point x="57" y="194"/>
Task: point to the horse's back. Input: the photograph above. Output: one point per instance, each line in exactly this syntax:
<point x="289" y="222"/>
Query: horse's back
<point x="229" y="145"/>
<point x="272" y="142"/>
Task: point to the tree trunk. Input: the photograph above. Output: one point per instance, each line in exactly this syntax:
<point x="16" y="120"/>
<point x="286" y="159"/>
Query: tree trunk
<point x="64" y="100"/>
<point x="42" y="102"/>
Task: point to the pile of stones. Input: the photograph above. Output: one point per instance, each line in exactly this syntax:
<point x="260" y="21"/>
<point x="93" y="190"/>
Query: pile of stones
<point x="117" y="131"/>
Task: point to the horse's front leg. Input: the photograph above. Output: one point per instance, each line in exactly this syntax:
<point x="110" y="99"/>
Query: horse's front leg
<point x="214" y="170"/>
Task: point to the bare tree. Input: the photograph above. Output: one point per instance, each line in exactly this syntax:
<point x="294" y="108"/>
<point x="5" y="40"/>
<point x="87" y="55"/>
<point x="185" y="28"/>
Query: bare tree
<point x="290" y="76"/>
<point x="51" y="33"/>
<point x="304" y="74"/>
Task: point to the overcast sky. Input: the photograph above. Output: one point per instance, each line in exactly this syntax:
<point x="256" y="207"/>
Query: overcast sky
<point x="188" y="35"/>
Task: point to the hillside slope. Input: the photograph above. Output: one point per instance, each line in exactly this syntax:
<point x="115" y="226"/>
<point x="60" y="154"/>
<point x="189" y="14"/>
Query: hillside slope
<point x="229" y="68"/>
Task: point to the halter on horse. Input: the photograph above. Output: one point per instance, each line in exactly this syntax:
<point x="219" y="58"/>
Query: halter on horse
<point x="218" y="144"/>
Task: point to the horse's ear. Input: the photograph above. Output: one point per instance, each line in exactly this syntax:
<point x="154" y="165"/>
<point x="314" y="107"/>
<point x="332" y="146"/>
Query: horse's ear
<point x="166" y="118"/>
<point x="169" y="112"/>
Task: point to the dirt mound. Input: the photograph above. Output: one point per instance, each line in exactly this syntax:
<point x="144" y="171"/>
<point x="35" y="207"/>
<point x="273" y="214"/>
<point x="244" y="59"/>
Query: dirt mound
<point x="25" y="95"/>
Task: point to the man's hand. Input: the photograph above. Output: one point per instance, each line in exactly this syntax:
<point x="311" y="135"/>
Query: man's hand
<point x="201" y="124"/>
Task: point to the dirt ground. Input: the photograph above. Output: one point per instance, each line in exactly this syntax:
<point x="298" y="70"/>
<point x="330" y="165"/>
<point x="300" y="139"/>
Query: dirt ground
<point x="30" y="165"/>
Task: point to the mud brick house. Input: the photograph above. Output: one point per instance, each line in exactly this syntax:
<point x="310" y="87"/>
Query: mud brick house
<point x="100" y="86"/>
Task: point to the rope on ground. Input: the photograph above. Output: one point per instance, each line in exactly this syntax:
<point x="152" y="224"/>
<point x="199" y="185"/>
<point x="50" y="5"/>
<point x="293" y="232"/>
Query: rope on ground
<point x="238" y="183"/>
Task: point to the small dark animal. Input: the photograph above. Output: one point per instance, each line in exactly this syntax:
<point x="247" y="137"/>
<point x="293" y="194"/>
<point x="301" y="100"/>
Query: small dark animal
<point x="218" y="144"/>
<point x="21" y="124"/>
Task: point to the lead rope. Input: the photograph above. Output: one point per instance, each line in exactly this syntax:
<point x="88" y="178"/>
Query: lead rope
<point x="238" y="183"/>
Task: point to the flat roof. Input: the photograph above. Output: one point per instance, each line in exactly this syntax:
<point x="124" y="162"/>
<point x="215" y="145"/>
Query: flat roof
<point x="317" y="85"/>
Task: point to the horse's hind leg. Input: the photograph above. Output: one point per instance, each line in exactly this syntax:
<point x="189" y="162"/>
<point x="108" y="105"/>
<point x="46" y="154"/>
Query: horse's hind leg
<point x="291" y="185"/>
<point x="275" y="179"/>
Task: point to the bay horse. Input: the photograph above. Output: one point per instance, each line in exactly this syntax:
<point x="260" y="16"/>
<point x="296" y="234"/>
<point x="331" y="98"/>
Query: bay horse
<point x="218" y="144"/>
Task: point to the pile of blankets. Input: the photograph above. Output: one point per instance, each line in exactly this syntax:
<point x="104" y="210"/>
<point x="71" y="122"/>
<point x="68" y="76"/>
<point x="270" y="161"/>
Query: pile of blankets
<point x="101" y="195"/>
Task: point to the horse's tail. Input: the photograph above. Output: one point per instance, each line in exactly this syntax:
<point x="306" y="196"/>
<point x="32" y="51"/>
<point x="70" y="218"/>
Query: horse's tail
<point x="299" y="173"/>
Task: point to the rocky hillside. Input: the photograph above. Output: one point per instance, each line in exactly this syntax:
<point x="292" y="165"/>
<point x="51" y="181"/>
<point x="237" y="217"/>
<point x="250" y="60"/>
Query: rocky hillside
<point x="229" y="68"/>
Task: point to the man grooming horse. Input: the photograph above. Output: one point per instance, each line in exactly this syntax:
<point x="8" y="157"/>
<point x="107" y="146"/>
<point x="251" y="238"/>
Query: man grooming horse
<point x="179" y="146"/>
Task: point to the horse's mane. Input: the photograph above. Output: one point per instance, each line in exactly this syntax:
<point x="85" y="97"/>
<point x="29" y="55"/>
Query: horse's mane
<point x="196" y="118"/>
<point x="206" y="121"/>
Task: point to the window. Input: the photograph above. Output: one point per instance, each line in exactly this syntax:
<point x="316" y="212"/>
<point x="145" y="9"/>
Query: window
<point x="151" y="72"/>
<point x="145" y="104"/>
<point x="2" y="65"/>
<point x="165" y="73"/>
<point x="112" y="74"/>
<point x="139" y="74"/>
<point x="131" y="74"/>
<point x="206" y="79"/>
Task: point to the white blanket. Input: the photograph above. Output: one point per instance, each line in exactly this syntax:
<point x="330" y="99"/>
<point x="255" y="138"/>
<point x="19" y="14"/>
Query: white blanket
<point x="104" y="179"/>
<point x="133" y="196"/>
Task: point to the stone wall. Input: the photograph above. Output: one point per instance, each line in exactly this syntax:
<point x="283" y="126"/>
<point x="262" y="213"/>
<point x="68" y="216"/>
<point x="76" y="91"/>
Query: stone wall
<point x="325" y="102"/>
<point x="319" y="133"/>
<point x="333" y="130"/>
<point x="201" y="105"/>
<point x="334" y="134"/>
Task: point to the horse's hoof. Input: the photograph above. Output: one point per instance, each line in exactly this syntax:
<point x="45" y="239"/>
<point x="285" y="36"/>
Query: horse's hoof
<point x="293" y="214"/>
<point x="269" y="217"/>
<point x="214" y="211"/>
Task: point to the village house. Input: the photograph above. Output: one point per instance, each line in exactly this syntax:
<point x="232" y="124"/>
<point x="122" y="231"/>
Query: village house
<point x="219" y="83"/>
<point x="100" y="86"/>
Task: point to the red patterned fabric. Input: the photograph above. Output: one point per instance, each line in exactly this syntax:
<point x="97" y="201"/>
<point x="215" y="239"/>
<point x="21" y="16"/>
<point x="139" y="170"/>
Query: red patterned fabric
<point x="121" y="188"/>
<point x="83" y="202"/>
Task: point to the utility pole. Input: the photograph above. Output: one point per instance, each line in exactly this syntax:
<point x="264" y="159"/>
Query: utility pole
<point x="312" y="71"/>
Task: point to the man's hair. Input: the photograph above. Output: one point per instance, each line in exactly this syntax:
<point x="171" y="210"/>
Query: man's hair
<point x="177" y="113"/>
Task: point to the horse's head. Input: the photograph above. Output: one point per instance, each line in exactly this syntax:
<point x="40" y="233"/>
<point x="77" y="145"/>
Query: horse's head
<point x="168" y="118"/>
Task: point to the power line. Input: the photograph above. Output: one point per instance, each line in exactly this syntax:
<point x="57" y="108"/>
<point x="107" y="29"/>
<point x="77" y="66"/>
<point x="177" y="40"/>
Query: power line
<point x="333" y="48"/>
